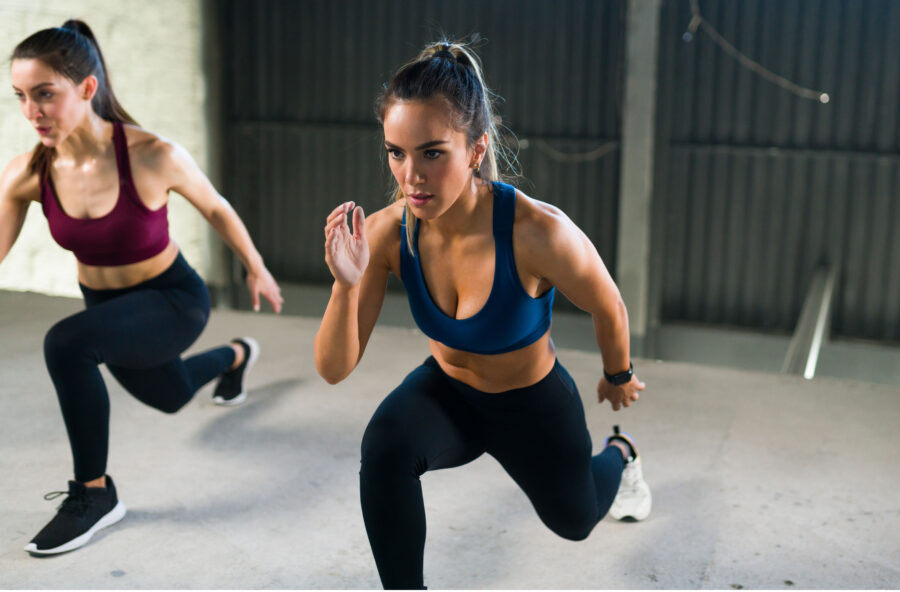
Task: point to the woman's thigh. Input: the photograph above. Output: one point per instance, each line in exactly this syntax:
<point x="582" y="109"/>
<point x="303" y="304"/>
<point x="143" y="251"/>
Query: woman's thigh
<point x="140" y="329"/>
<point x="546" y="449"/>
<point x="424" y="422"/>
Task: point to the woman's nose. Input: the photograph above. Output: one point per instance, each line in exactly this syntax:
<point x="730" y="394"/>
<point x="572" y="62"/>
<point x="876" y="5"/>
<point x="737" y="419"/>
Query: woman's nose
<point x="31" y="109"/>
<point x="413" y="174"/>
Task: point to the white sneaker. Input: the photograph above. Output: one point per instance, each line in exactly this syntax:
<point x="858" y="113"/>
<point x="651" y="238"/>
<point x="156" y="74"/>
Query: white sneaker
<point x="633" y="499"/>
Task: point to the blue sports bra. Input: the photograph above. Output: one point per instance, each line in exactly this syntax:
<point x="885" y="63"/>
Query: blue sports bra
<point x="510" y="319"/>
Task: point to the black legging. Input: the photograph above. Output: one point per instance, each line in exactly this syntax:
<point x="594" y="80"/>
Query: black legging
<point x="139" y="333"/>
<point x="432" y="421"/>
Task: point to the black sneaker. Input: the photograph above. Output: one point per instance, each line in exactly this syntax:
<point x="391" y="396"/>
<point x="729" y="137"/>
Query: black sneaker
<point x="230" y="389"/>
<point x="85" y="511"/>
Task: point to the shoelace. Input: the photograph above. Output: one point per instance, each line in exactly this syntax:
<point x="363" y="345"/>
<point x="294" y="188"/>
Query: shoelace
<point x="74" y="504"/>
<point x="630" y="480"/>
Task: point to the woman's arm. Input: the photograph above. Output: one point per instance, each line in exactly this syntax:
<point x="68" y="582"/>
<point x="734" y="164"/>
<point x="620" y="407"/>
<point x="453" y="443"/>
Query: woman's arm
<point x="18" y="187"/>
<point x="183" y="176"/>
<point x="559" y="252"/>
<point x="360" y="265"/>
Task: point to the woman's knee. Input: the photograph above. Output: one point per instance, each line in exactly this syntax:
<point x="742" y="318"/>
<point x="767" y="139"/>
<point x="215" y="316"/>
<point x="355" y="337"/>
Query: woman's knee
<point x="570" y="521"/>
<point x="386" y="447"/>
<point x="170" y="406"/>
<point x="573" y="530"/>
<point x="163" y="398"/>
<point x="576" y="532"/>
<point x="65" y="342"/>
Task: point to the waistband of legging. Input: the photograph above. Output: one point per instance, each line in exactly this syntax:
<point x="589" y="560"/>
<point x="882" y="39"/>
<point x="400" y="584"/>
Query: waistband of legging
<point x="171" y="277"/>
<point x="474" y="392"/>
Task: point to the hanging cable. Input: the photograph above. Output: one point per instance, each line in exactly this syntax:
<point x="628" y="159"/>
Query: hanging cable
<point x="568" y="157"/>
<point x="697" y="21"/>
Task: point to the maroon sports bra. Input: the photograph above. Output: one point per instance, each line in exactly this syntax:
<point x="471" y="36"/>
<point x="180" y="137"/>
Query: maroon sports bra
<point x="131" y="232"/>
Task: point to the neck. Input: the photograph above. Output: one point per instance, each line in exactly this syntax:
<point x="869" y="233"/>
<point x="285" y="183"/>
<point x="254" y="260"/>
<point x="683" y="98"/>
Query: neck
<point x="89" y="140"/>
<point x="458" y="219"/>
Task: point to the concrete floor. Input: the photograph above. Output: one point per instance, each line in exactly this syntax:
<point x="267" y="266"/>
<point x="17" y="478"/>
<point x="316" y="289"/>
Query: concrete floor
<point x="759" y="480"/>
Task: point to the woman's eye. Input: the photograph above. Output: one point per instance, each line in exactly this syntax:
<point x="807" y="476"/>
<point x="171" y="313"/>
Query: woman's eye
<point x="395" y="153"/>
<point x="432" y="154"/>
<point x="46" y="95"/>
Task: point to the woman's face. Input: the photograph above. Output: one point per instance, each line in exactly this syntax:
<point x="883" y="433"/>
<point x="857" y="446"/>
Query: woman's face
<point x="431" y="160"/>
<point x="52" y="103"/>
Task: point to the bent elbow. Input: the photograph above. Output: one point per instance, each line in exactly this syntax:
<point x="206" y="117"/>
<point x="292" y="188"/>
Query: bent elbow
<point x="332" y="365"/>
<point x="621" y="309"/>
<point x="331" y="378"/>
<point x="329" y="373"/>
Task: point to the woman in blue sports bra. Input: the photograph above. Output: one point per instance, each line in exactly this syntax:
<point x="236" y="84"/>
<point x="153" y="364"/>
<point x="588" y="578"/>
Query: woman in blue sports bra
<point x="481" y="263"/>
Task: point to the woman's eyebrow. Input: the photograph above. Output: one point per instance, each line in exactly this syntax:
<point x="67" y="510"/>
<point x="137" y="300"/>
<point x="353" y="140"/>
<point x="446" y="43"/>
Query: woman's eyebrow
<point x="420" y="147"/>
<point x="430" y="144"/>
<point x="35" y="87"/>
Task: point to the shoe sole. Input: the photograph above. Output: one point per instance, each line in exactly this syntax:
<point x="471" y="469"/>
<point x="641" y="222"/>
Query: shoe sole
<point x="108" y="519"/>
<point x="640" y="513"/>
<point x="637" y="516"/>
<point x="242" y="396"/>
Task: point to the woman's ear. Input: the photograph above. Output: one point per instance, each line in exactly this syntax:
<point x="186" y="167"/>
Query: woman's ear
<point x="88" y="87"/>
<point x="480" y="149"/>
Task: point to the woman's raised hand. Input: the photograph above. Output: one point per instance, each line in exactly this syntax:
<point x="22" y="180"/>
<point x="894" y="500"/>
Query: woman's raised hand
<point x="346" y="253"/>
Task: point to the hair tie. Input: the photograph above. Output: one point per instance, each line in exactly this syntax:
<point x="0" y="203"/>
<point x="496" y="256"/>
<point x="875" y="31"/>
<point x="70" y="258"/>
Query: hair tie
<point x="444" y="53"/>
<point x="71" y="25"/>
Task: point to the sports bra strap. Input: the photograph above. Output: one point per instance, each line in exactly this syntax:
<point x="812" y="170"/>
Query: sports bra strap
<point x="504" y="215"/>
<point x="121" y="144"/>
<point x="403" y="244"/>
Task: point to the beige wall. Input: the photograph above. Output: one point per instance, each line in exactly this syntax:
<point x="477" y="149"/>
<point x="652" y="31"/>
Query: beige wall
<point x="153" y="52"/>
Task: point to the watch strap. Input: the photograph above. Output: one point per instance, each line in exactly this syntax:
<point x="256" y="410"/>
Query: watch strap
<point x="620" y="378"/>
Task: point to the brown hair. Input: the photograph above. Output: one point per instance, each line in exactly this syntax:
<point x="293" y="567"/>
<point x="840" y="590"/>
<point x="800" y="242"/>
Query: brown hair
<point x="452" y="71"/>
<point x="71" y="50"/>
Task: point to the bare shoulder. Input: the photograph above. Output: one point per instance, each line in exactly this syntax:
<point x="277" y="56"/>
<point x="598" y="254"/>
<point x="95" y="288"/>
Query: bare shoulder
<point x="539" y="225"/>
<point x="386" y="220"/>
<point x="383" y="234"/>
<point x="154" y="153"/>
<point x="18" y="182"/>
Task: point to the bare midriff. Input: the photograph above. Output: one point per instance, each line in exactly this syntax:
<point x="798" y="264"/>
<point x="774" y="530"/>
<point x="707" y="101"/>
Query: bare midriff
<point x="124" y="276"/>
<point x="498" y="372"/>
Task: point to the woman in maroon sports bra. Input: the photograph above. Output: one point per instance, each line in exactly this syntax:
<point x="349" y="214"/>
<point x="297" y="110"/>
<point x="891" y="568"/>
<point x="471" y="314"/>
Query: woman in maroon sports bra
<point x="103" y="185"/>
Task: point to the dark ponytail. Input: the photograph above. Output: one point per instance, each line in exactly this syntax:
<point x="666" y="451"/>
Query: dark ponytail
<point x="71" y="50"/>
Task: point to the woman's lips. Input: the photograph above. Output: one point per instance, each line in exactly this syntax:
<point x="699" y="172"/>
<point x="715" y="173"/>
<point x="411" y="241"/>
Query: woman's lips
<point x="419" y="199"/>
<point x="43" y="130"/>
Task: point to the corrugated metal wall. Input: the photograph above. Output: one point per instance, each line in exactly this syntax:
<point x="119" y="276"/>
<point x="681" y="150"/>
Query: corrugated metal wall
<point x="301" y="78"/>
<point x="755" y="187"/>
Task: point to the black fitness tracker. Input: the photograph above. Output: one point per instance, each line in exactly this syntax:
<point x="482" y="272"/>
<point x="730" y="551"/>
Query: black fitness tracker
<point x="620" y="378"/>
